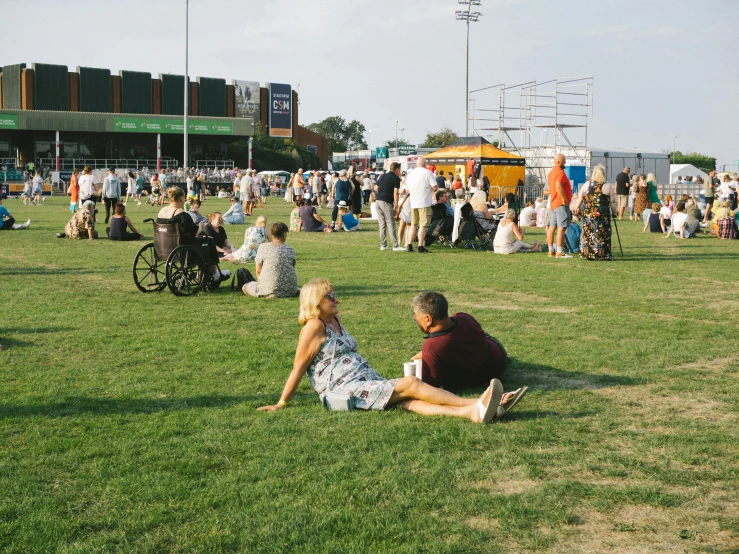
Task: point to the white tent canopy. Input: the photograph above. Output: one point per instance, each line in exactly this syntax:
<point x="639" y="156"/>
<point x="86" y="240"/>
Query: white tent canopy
<point x="683" y="170"/>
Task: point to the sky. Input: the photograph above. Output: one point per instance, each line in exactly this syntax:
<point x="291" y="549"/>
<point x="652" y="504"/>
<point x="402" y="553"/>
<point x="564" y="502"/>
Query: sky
<point x="661" y="68"/>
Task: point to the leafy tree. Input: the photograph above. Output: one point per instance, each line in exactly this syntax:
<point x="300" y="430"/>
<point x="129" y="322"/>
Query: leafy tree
<point x="270" y="153"/>
<point x="701" y="161"/>
<point x="395" y="143"/>
<point x="340" y="134"/>
<point x="444" y="137"/>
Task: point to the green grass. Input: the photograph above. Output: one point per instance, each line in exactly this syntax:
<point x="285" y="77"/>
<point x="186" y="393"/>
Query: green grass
<point x="128" y="421"/>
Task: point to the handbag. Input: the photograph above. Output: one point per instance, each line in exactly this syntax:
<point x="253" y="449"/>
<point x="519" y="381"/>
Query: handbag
<point x="336" y="401"/>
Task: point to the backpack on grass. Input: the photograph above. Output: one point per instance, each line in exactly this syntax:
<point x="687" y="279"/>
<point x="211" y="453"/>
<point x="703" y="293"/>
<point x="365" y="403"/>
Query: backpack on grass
<point x="572" y="237"/>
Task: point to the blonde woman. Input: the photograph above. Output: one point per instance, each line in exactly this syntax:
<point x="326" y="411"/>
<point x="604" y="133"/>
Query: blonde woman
<point x="328" y="354"/>
<point x="597" y="197"/>
<point x="253" y="237"/>
<point x="482" y="214"/>
<point x="509" y="238"/>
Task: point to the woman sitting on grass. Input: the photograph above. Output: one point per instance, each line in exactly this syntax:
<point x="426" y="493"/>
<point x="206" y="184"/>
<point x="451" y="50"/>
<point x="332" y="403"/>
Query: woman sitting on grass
<point x="275" y="268"/>
<point x="253" y="237"/>
<point x="726" y="222"/>
<point x="328" y="354"/>
<point x="655" y="221"/>
<point x="509" y="238"/>
<point x="119" y="225"/>
<point x="214" y="229"/>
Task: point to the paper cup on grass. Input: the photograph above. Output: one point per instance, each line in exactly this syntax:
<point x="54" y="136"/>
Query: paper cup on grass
<point x="419" y="368"/>
<point x="409" y="369"/>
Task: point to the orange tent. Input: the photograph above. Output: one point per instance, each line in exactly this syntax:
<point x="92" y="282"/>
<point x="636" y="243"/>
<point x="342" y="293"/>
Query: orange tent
<point x="502" y="168"/>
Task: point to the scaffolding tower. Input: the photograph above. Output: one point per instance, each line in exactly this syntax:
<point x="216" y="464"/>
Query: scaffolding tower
<point x="537" y="121"/>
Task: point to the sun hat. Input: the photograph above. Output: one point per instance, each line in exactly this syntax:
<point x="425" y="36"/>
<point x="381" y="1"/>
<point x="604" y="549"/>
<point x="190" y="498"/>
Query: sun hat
<point x="342" y="204"/>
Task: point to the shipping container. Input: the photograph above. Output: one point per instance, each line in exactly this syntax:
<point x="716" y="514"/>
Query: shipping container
<point x="136" y="91"/>
<point x="51" y="87"/>
<point x="95" y="92"/>
<point x="212" y="97"/>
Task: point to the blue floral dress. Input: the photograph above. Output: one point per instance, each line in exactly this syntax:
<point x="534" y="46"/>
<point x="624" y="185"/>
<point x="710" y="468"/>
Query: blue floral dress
<point x="248" y="251"/>
<point x="339" y="368"/>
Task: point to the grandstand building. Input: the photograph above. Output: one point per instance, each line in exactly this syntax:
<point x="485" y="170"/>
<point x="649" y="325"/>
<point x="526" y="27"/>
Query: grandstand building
<point x="133" y="118"/>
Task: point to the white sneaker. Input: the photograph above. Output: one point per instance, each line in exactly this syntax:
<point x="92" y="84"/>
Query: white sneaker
<point x="399" y="249"/>
<point x="138" y="204"/>
<point x="125" y="203"/>
<point x="384" y="248"/>
<point x="225" y="273"/>
<point x="26" y="225"/>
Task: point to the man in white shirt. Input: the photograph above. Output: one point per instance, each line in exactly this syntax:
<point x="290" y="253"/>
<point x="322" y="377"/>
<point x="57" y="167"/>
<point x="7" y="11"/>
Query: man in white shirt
<point x="421" y="185"/>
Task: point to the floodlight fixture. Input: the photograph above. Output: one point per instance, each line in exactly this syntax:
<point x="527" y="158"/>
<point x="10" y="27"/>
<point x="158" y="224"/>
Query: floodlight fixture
<point x="468" y="16"/>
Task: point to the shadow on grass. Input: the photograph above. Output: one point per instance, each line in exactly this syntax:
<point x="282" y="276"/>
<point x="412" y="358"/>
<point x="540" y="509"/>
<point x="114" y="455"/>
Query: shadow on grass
<point x="46" y="271"/>
<point x="15" y="343"/>
<point x="386" y="290"/>
<point x="537" y="376"/>
<point x="676" y="257"/>
<point x="80" y="405"/>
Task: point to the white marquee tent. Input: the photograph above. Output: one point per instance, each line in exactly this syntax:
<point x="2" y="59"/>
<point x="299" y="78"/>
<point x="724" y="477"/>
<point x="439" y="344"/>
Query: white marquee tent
<point x="682" y="170"/>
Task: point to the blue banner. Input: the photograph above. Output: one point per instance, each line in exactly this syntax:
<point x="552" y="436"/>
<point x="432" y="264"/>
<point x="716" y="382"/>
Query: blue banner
<point x="280" y="110"/>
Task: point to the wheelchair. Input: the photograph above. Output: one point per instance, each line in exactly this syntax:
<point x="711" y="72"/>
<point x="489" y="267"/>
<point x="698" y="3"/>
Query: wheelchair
<point x="184" y="268"/>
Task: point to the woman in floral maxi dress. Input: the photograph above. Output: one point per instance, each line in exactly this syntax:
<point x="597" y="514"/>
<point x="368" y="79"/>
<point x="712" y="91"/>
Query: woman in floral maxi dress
<point x="595" y="200"/>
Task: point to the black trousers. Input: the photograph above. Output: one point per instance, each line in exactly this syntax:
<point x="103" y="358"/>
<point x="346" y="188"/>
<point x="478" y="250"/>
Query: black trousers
<point x="7" y="224"/>
<point x="126" y="237"/>
<point x="109" y="204"/>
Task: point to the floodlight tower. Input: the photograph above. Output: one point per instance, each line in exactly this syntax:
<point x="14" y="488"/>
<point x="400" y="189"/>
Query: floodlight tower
<point x="468" y="16"/>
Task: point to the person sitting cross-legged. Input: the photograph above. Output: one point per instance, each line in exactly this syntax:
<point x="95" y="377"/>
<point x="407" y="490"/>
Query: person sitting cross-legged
<point x="328" y="354"/>
<point x="119" y="224"/>
<point x="235" y="214"/>
<point x="457" y="353"/>
<point x="275" y="268"/>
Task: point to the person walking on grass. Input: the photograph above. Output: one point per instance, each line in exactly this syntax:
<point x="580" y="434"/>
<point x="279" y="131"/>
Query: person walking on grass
<point x="560" y="217"/>
<point x="709" y="191"/>
<point x="623" y="189"/>
<point x="38" y="187"/>
<point x="387" y="199"/>
<point x="111" y="192"/>
<point x="421" y="185"/>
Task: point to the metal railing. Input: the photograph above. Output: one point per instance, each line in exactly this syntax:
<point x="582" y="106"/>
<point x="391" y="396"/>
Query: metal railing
<point x="524" y="194"/>
<point x="101" y="163"/>
<point x="676" y="191"/>
<point x="228" y="164"/>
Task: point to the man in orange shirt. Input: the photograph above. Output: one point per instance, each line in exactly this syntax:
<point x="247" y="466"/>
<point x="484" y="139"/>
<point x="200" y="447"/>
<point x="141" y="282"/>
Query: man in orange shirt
<point x="559" y="215"/>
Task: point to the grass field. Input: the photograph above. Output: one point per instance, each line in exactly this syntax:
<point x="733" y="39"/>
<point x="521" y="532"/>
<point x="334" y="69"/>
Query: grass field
<point x="128" y="421"/>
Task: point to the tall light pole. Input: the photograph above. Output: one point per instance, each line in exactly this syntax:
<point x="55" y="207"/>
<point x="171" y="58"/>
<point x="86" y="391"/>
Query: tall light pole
<point x="396" y="133"/>
<point x="468" y="16"/>
<point x="187" y="80"/>
<point x="369" y="147"/>
<point x="674" y="139"/>
<point x="402" y="129"/>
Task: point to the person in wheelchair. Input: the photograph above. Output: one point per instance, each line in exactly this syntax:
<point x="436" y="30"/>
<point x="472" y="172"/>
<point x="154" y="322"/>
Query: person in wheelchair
<point x="188" y="229"/>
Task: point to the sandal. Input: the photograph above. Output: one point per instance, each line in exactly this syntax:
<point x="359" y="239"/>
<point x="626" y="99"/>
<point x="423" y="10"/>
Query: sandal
<point x="488" y="411"/>
<point x="518" y="394"/>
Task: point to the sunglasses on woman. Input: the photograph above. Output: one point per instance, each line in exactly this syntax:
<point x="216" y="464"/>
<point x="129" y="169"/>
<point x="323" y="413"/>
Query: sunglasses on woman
<point x="332" y="296"/>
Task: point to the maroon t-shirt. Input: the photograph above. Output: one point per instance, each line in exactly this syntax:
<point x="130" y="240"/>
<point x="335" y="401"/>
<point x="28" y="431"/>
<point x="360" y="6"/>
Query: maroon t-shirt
<point x="463" y="357"/>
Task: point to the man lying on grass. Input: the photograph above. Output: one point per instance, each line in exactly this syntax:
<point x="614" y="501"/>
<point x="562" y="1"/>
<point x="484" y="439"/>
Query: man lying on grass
<point x="328" y="353"/>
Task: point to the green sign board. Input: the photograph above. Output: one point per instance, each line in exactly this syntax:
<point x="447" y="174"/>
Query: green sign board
<point x="8" y="121"/>
<point x="173" y="126"/>
<point x="736" y="162"/>
<point x="406" y="149"/>
<point x="381" y="152"/>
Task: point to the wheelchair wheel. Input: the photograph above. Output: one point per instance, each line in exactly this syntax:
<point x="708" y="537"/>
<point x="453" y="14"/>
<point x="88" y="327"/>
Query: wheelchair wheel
<point x="148" y="271"/>
<point x="185" y="271"/>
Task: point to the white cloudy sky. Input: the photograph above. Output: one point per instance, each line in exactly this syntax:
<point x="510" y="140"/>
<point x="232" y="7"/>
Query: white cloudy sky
<point x="661" y="67"/>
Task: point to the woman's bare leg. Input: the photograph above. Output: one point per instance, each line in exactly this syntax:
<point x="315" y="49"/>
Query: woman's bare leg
<point x="424" y="408"/>
<point x="412" y="388"/>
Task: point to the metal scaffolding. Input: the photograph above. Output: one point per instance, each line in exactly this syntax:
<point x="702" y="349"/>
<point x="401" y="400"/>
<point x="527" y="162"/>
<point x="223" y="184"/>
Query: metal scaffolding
<point x="537" y="120"/>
